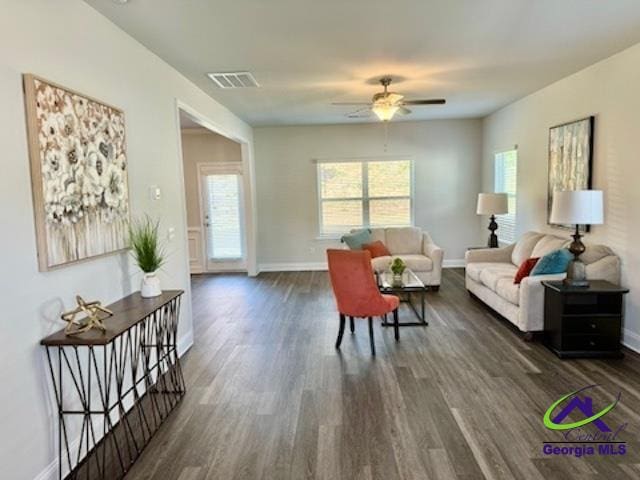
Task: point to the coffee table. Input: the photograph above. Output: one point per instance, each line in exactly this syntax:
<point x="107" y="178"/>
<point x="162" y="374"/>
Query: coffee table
<point x="409" y="286"/>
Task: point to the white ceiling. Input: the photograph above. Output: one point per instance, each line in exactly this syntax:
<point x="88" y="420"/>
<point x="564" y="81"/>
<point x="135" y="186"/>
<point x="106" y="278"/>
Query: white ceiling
<point x="478" y="54"/>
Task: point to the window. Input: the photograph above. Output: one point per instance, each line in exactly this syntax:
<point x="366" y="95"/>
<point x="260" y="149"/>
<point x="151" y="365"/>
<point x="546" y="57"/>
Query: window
<point x="367" y="193"/>
<point x="506" y="173"/>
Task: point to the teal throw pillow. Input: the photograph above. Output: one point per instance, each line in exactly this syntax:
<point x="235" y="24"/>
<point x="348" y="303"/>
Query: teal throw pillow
<point x="554" y="262"/>
<point x="356" y="239"/>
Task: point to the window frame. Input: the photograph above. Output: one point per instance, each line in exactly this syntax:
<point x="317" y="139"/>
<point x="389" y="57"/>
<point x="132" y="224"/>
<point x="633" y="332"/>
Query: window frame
<point x="365" y="198"/>
<point x="499" y="155"/>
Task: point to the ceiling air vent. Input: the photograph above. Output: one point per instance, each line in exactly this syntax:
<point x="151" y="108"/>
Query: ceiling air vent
<point x="233" y="80"/>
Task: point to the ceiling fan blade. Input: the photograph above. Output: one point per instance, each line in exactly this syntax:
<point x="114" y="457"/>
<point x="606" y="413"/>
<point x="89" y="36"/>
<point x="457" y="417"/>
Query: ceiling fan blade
<point x="433" y="101"/>
<point x="351" y="103"/>
<point x="393" y="97"/>
<point x="360" y="113"/>
<point x="403" y="111"/>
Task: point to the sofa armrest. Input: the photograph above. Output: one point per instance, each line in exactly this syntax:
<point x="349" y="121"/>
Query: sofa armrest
<point x="532" y="301"/>
<point x="502" y="255"/>
<point x="436" y="254"/>
<point x="431" y="250"/>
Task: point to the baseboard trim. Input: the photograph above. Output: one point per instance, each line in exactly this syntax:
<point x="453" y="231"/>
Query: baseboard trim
<point x="322" y="266"/>
<point x="631" y="340"/>
<point x="292" y="267"/>
<point x="184" y="344"/>
<point x="453" y="263"/>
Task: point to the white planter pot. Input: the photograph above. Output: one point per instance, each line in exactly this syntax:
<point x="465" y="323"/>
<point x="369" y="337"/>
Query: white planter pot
<point x="150" y="285"/>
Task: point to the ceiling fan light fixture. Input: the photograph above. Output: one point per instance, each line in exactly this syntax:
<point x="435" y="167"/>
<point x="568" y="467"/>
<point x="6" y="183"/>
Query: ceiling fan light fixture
<point x="385" y="111"/>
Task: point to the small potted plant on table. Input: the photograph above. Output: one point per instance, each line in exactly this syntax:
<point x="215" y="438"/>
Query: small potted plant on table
<point x="148" y="254"/>
<point x="397" y="269"/>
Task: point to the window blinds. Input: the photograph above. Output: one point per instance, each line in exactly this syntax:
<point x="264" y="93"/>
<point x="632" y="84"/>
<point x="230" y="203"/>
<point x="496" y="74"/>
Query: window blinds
<point x="506" y="172"/>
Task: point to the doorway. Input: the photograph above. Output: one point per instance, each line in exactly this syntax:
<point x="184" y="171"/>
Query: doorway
<point x="215" y="198"/>
<point x="223" y="215"/>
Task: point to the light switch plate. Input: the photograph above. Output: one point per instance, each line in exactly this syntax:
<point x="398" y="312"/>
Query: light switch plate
<point x="155" y="193"/>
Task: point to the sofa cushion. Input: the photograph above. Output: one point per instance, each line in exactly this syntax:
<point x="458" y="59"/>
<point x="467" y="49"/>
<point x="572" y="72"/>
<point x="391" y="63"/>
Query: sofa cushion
<point x="548" y="244"/>
<point x="377" y="234"/>
<point x="381" y="264"/>
<point x="417" y="262"/>
<point x="474" y="269"/>
<point x="524" y="246"/>
<point x="403" y="240"/>
<point x="593" y="253"/>
<point x="508" y="290"/>
<point x="489" y="276"/>
<point x="377" y="249"/>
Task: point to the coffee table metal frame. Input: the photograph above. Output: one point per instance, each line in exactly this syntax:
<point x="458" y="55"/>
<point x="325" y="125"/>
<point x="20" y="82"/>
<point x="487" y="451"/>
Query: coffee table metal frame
<point x="406" y="291"/>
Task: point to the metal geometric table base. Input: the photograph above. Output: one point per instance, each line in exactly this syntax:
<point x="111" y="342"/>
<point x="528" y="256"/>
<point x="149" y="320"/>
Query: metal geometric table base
<point x="113" y="398"/>
<point x="422" y="322"/>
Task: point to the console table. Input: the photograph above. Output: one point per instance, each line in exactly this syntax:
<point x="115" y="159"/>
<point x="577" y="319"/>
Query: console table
<point x="583" y="321"/>
<point x="114" y="389"/>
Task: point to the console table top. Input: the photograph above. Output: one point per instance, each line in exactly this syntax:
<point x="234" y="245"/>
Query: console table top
<point x="126" y="313"/>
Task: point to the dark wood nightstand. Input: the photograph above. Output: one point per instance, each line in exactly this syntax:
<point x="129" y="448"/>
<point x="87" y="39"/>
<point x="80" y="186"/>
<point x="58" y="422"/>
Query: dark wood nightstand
<point x="583" y="321"/>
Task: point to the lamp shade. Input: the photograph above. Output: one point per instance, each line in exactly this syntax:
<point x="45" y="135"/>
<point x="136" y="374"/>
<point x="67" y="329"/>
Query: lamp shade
<point x="577" y="207"/>
<point x="492" y="204"/>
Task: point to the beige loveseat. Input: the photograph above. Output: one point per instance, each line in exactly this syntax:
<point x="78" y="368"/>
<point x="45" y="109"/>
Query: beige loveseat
<point x="490" y="273"/>
<point x="413" y="246"/>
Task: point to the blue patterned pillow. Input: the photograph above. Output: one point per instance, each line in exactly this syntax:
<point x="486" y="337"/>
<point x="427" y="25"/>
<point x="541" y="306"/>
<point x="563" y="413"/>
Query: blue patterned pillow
<point x="356" y="239"/>
<point x="554" y="262"/>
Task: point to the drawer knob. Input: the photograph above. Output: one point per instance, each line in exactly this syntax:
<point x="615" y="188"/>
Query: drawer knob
<point x="593" y="325"/>
<point x="592" y="343"/>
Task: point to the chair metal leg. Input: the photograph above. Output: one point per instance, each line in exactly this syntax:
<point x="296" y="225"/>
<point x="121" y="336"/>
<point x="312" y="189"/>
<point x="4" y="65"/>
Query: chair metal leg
<point x="341" y="331"/>
<point x="352" y="325"/>
<point x="373" y="346"/>
<point x="396" y="325"/>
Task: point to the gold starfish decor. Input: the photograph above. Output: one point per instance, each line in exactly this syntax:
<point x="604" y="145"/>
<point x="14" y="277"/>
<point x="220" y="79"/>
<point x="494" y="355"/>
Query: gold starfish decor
<point x="92" y="319"/>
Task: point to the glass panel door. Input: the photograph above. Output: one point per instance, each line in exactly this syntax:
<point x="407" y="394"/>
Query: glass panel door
<point x="223" y="216"/>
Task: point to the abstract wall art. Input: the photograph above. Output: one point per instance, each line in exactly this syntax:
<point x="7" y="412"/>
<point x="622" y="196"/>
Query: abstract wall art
<point x="79" y="174"/>
<point x="570" y="159"/>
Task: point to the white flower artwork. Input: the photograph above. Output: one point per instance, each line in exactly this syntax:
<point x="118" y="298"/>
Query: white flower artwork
<point x="79" y="174"/>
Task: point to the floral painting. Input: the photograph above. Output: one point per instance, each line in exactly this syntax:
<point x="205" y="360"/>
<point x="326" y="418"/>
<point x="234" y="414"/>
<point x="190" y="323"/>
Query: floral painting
<point x="570" y="158"/>
<point x="79" y="174"/>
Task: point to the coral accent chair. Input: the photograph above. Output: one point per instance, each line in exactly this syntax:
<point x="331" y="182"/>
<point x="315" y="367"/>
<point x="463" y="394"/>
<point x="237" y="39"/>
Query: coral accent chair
<point x="356" y="292"/>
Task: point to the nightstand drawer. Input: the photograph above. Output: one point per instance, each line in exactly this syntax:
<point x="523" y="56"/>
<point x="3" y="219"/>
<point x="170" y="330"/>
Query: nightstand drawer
<point x="590" y="343"/>
<point x="591" y="325"/>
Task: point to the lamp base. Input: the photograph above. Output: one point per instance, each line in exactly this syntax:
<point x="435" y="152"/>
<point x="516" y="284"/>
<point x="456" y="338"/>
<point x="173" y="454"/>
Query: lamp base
<point x="493" y="238"/>
<point x="576" y="275"/>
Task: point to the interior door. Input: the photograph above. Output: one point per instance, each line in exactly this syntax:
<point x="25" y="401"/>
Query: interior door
<point x="223" y="217"/>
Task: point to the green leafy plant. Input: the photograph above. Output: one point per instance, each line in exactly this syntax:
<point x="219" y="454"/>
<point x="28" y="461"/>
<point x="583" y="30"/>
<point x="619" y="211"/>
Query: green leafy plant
<point x="398" y="266"/>
<point x="145" y="244"/>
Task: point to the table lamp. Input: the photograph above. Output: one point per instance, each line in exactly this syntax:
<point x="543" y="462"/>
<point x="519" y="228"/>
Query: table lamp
<point x="492" y="204"/>
<point x="577" y="207"/>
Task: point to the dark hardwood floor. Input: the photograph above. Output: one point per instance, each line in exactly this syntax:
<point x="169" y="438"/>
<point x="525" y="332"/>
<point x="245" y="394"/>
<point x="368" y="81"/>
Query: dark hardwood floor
<point x="269" y="397"/>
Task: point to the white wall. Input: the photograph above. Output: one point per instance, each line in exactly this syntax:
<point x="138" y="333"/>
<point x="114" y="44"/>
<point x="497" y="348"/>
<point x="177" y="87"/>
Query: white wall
<point x="68" y="42"/>
<point x="609" y="90"/>
<point x="202" y="146"/>
<point x="447" y="180"/>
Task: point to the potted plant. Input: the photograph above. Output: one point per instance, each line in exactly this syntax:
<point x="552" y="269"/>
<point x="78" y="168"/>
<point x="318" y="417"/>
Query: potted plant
<point x="397" y="268"/>
<point x="148" y="254"/>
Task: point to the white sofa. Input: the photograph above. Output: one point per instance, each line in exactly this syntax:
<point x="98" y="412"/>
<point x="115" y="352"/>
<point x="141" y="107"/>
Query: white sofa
<point x="490" y="273"/>
<point x="415" y="248"/>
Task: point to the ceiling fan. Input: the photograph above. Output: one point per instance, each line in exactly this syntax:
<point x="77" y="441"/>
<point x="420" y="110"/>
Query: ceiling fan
<point x="386" y="104"/>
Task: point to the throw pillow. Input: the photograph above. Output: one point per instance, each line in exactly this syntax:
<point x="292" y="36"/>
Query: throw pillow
<point x="356" y="239"/>
<point x="554" y="262"/>
<point x="525" y="269"/>
<point x="377" y="249"/>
